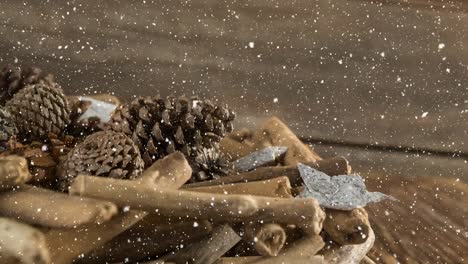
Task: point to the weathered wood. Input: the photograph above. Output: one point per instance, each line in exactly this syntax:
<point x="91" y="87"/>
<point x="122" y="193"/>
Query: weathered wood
<point x="349" y="254"/>
<point x="48" y="208"/>
<point x="20" y="243"/>
<point x="267" y="239"/>
<point x="277" y="187"/>
<point x="208" y="250"/>
<point x="305" y="213"/>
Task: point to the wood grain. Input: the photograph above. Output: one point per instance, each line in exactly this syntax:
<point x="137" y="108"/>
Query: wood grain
<point x="342" y="70"/>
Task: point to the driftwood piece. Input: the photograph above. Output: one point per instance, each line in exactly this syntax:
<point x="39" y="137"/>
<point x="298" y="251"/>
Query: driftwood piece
<point x="47" y="208"/>
<point x="141" y="243"/>
<point x="20" y="243"/>
<point x="347" y="227"/>
<point x="349" y="254"/>
<point x="13" y="171"/>
<point x="235" y="149"/>
<point x="170" y="172"/>
<point x="217" y="207"/>
<point x="208" y="250"/>
<point x="276" y="133"/>
<point x="67" y="244"/>
<point x="278" y="187"/>
<point x="331" y="166"/>
<point x="267" y="239"/>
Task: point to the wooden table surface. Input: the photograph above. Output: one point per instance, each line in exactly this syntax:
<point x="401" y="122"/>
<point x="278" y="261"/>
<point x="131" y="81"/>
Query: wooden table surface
<point x="361" y="77"/>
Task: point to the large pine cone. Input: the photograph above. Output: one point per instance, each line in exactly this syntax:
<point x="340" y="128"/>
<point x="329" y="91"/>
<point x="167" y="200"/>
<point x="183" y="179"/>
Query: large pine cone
<point x="161" y="126"/>
<point x="39" y="110"/>
<point x="13" y="79"/>
<point x="105" y="153"/>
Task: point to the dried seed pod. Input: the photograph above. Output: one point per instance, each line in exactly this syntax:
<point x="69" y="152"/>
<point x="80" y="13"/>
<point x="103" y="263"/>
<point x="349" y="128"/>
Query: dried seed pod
<point x="208" y="164"/>
<point x="13" y="79"/>
<point x="160" y="126"/>
<point x="105" y="153"/>
<point x="38" y="110"/>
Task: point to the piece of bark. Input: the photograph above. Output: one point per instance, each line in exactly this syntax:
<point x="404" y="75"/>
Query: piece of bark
<point x="264" y="260"/>
<point x="208" y="250"/>
<point x="349" y="254"/>
<point x="276" y="133"/>
<point x="67" y="244"/>
<point x="277" y="187"/>
<point x="170" y="172"/>
<point x="332" y="166"/>
<point x="347" y="227"/>
<point x="13" y="171"/>
<point x="20" y="243"/>
<point x="266" y="157"/>
<point x="47" y="208"/>
<point x="141" y="244"/>
<point x="217" y="207"/>
<point x="267" y="239"/>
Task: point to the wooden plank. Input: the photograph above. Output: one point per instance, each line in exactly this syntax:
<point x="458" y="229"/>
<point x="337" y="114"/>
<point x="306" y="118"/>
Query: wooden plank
<point x="429" y="221"/>
<point x="341" y="70"/>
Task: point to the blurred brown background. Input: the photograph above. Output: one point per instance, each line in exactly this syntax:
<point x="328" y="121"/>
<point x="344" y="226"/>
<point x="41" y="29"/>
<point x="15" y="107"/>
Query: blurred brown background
<point x="384" y="83"/>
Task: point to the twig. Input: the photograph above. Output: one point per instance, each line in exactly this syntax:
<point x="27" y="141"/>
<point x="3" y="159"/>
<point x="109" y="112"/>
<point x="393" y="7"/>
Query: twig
<point x="208" y="250"/>
<point x="277" y="187"/>
<point x="20" y="243"/>
<point x="306" y="213"/>
<point x="43" y="207"/>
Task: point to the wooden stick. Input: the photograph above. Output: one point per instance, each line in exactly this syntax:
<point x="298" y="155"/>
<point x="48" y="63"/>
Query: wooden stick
<point x="170" y="172"/>
<point x="43" y="207"/>
<point x="13" y="171"/>
<point x="347" y="227"/>
<point x="67" y="244"/>
<point x="141" y="244"/>
<point x="349" y="253"/>
<point x="332" y="166"/>
<point x="277" y="133"/>
<point x="306" y="213"/>
<point x="208" y="250"/>
<point x="20" y="243"/>
<point x="278" y="187"/>
<point x="235" y="149"/>
<point x="267" y="239"/>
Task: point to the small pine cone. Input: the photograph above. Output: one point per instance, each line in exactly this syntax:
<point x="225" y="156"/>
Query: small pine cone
<point x="208" y="164"/>
<point x="7" y="128"/>
<point x="13" y="79"/>
<point x="39" y="110"/>
<point x="105" y="153"/>
<point x="161" y="126"/>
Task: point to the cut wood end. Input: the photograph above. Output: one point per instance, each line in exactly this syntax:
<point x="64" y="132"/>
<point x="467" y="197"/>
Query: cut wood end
<point x="78" y="186"/>
<point x="105" y="211"/>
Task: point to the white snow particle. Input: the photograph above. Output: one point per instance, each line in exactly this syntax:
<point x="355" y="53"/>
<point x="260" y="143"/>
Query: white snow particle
<point x="441" y="46"/>
<point x="275" y="100"/>
<point x="251" y="44"/>
<point x="424" y="114"/>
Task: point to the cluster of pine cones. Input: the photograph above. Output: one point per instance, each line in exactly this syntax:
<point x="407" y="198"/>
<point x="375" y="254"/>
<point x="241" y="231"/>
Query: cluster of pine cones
<point x="39" y="122"/>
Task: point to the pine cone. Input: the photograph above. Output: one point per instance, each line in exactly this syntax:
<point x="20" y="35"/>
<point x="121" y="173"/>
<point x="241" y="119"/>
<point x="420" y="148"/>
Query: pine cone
<point x="39" y="110"/>
<point x="208" y="164"/>
<point x="7" y="128"/>
<point x="13" y="79"/>
<point x="105" y="153"/>
<point x="161" y="126"/>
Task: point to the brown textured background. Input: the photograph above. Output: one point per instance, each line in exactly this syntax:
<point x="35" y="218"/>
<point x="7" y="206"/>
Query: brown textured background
<point x="352" y="77"/>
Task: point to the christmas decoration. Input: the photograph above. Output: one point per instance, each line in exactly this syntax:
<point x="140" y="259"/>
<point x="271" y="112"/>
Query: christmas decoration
<point x="38" y="110"/>
<point x="161" y="126"/>
<point x="105" y="153"/>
